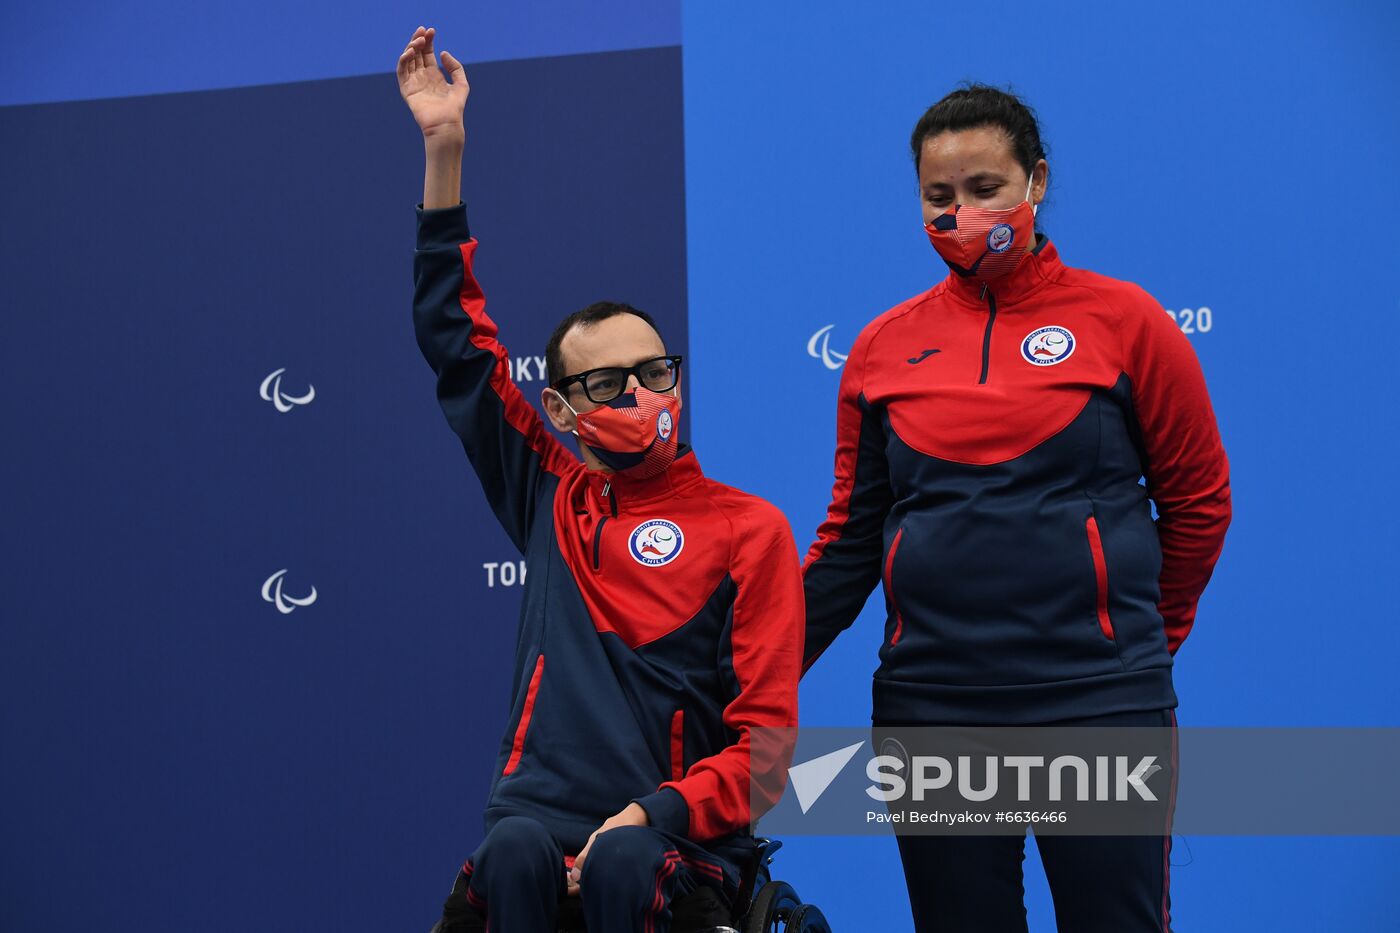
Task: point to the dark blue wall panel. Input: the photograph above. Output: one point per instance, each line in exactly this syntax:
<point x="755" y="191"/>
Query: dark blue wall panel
<point x="177" y="754"/>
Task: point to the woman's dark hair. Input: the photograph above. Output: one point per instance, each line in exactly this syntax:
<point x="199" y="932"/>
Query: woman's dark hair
<point x="975" y="105"/>
<point x="598" y="311"/>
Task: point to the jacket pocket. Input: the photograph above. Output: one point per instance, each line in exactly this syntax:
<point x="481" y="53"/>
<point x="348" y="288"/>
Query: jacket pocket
<point x="518" y="745"/>
<point x="678" y="745"/>
<point x="1091" y="529"/>
<point x="889" y="586"/>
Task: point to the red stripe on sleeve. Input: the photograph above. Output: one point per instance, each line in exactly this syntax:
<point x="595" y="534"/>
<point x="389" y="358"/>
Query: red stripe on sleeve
<point x="519" y="413"/>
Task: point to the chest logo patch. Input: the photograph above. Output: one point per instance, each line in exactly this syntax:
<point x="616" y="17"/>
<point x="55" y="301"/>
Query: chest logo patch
<point x="1047" y="346"/>
<point x="656" y="542"/>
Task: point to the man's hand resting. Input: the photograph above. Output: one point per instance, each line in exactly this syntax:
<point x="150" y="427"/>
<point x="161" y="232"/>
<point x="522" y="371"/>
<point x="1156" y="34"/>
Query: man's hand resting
<point x="632" y="815"/>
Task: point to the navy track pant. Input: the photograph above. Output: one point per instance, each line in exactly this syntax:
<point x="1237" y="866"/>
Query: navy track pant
<point x="1100" y="884"/>
<point x="516" y="878"/>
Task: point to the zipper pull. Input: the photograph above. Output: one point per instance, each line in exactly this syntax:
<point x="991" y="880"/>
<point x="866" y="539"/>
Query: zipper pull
<point x="606" y="487"/>
<point x="983" y="296"/>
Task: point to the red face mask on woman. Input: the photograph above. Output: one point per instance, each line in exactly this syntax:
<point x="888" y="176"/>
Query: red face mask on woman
<point x="634" y="434"/>
<point x="983" y="244"/>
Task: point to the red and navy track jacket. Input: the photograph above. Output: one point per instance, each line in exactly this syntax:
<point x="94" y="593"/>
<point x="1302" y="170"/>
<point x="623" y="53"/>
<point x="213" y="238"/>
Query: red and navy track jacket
<point x="990" y="447"/>
<point x="662" y="618"/>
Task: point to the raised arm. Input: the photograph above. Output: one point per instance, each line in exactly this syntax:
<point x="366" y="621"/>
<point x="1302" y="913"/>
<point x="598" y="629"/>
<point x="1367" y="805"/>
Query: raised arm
<point x="504" y="437"/>
<point x="437" y="107"/>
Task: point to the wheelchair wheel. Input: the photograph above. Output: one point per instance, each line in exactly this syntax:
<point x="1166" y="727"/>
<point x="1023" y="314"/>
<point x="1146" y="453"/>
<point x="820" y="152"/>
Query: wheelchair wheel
<point x="772" y="908"/>
<point x="807" y="919"/>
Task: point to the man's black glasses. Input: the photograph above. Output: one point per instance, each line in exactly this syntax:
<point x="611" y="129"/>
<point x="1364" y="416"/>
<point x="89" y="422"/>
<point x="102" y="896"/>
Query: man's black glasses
<point x="604" y="385"/>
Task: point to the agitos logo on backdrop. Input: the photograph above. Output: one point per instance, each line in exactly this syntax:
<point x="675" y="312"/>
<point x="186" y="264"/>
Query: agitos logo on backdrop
<point x="819" y="347"/>
<point x="271" y="391"/>
<point x="272" y="593"/>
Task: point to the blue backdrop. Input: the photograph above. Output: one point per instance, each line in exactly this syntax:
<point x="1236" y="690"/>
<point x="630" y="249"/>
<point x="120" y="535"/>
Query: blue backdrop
<point x="1224" y="156"/>
<point x="211" y="377"/>
<point x="175" y="753"/>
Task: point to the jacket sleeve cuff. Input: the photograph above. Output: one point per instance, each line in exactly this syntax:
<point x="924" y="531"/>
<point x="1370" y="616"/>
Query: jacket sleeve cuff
<point x="667" y="811"/>
<point x="442" y="227"/>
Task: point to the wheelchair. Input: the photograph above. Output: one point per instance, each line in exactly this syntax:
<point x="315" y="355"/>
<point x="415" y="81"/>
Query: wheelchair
<point x="762" y="905"/>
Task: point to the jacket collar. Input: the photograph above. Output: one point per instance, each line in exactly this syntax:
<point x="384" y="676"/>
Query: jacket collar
<point x="1041" y="265"/>
<point x="625" y="491"/>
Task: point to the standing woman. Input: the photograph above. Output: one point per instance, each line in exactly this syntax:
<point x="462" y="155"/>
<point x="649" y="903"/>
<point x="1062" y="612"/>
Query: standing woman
<point x="991" y="435"/>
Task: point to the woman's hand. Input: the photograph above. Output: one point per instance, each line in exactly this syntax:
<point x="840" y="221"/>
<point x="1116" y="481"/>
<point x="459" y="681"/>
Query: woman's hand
<point x="436" y="104"/>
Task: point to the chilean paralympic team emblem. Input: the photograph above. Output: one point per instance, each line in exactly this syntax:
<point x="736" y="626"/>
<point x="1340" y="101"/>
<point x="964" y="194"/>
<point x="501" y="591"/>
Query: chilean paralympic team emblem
<point x="1047" y="346"/>
<point x="999" y="238"/>
<point x="656" y="542"/>
<point x="664" y="425"/>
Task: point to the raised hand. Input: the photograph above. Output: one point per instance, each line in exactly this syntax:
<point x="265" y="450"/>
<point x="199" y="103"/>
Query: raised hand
<point x="435" y="103"/>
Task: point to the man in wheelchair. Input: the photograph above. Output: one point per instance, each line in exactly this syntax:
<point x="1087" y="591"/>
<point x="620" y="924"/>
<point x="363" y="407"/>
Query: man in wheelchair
<point x="662" y="616"/>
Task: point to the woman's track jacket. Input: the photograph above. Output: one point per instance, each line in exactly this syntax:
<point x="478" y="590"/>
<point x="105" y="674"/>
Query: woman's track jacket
<point x="990" y="444"/>
<point x="662" y="619"/>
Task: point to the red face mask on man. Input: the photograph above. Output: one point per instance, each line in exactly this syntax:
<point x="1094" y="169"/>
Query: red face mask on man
<point x="634" y="434"/>
<point x="984" y="244"/>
